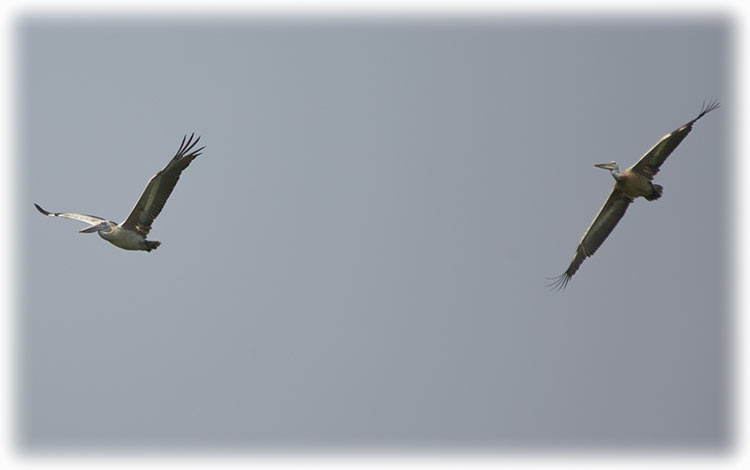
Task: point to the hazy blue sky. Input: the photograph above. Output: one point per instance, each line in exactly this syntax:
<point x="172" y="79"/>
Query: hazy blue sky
<point x="359" y="256"/>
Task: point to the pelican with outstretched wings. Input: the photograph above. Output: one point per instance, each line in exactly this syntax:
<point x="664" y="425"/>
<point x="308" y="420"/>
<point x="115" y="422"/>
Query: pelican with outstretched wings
<point x="131" y="234"/>
<point x="630" y="184"/>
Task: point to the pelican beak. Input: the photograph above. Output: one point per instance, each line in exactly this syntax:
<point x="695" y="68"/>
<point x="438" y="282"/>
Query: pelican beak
<point x="93" y="228"/>
<point x="605" y="166"/>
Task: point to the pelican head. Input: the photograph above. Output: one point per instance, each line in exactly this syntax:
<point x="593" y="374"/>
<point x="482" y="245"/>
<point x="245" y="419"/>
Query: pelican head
<point x="103" y="226"/>
<point x="611" y="166"/>
<point x="614" y="170"/>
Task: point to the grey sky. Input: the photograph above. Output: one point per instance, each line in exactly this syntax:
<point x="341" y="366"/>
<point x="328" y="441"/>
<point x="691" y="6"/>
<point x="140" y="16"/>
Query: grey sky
<point x="358" y="259"/>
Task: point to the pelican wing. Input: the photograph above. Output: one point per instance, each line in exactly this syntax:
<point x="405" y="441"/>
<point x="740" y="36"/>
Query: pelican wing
<point x="159" y="188"/>
<point x="606" y="220"/>
<point x="649" y="164"/>
<point x="89" y="219"/>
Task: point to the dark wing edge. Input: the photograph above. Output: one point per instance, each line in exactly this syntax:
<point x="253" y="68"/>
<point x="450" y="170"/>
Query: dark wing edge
<point x="39" y="208"/>
<point x="603" y="224"/>
<point x="650" y="163"/>
<point x="160" y="187"/>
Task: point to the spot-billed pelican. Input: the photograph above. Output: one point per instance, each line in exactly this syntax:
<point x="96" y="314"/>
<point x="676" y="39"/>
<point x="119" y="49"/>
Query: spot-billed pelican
<point x="131" y="234"/>
<point x="629" y="184"/>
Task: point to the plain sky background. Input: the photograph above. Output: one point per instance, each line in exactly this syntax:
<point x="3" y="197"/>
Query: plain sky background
<point x="358" y="259"/>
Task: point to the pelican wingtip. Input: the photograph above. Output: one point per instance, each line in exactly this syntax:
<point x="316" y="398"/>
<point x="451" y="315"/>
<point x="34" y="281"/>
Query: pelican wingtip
<point x="560" y="282"/>
<point x="39" y="208"/>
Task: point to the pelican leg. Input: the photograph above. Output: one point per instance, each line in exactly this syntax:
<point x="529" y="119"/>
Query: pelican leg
<point x="656" y="193"/>
<point x="152" y="245"/>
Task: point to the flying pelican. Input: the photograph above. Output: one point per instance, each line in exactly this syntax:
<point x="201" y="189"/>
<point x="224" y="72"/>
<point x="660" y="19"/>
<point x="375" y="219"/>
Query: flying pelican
<point x="630" y="184"/>
<point x="131" y="234"/>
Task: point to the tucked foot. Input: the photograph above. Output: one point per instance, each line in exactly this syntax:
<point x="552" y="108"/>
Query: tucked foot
<point x="152" y="245"/>
<point x="656" y="192"/>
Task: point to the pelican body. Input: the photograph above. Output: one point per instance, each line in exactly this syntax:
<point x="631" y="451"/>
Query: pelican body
<point x="630" y="184"/>
<point x="131" y="233"/>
